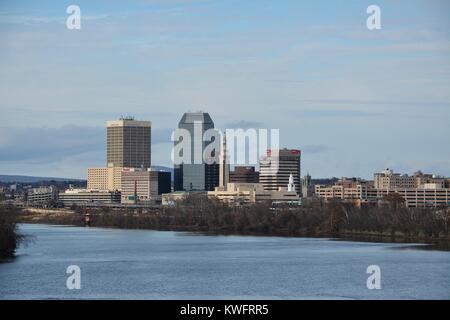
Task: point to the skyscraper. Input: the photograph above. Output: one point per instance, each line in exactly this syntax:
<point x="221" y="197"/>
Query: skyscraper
<point x="276" y="168"/>
<point x="129" y="143"/>
<point x="197" y="174"/>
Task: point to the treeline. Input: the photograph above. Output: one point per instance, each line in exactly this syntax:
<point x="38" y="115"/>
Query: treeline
<point x="316" y="219"/>
<point x="9" y="236"/>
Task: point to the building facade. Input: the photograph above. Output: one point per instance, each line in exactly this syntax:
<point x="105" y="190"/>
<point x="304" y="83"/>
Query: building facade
<point x="164" y="182"/>
<point x="416" y="197"/>
<point x="42" y="196"/>
<point x="195" y="174"/>
<point x="277" y="166"/>
<point x="129" y="143"/>
<point x="84" y="196"/>
<point x="358" y="192"/>
<point x="388" y="180"/>
<point x="241" y="193"/>
<point x="244" y="174"/>
<point x="431" y="195"/>
<point x="107" y="178"/>
<point x="139" y="185"/>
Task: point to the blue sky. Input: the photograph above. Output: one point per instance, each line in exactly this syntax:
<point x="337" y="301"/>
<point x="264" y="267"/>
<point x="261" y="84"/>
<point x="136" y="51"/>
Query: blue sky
<point x="355" y="101"/>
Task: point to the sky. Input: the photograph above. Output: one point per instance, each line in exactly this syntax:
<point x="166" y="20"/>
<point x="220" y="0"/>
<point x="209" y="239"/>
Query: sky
<point x="354" y="100"/>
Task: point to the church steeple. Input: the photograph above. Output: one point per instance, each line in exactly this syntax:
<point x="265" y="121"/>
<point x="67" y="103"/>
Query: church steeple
<point x="224" y="166"/>
<point x="291" y="184"/>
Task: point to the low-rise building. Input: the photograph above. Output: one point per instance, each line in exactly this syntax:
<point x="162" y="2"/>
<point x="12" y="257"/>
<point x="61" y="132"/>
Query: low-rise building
<point x="389" y="180"/>
<point x="170" y="199"/>
<point x="426" y="195"/>
<point x="277" y="166"/>
<point x="84" y="196"/>
<point x="240" y="193"/>
<point x="415" y="197"/>
<point x="41" y="196"/>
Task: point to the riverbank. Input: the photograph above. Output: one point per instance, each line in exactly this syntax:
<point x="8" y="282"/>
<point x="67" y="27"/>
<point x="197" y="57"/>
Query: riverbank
<point x="9" y="235"/>
<point x="282" y="224"/>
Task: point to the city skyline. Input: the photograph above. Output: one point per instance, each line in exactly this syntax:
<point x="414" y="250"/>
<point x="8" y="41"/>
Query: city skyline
<point x="354" y="101"/>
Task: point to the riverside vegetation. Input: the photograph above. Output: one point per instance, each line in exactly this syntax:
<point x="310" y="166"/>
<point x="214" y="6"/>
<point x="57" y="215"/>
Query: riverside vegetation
<point x="392" y="222"/>
<point x="9" y="236"/>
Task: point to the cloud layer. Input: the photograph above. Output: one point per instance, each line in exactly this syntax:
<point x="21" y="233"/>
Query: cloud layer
<point x="352" y="99"/>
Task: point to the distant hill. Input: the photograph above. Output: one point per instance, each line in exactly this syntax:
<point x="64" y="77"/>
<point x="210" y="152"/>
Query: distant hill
<point x="30" y="179"/>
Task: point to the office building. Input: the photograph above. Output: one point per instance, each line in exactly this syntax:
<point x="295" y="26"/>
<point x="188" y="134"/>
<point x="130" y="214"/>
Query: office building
<point x="164" y="182"/>
<point x="244" y="174"/>
<point x="144" y="185"/>
<point x="388" y="180"/>
<point x="128" y="143"/>
<point x="341" y="192"/>
<point x="139" y="185"/>
<point x="85" y="197"/>
<point x="277" y="166"/>
<point x="423" y="179"/>
<point x="42" y="196"/>
<point x="107" y="178"/>
<point x="431" y="195"/>
<point x="242" y="193"/>
<point x="195" y="174"/>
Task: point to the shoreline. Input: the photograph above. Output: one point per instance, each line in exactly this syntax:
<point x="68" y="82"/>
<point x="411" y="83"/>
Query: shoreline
<point x="416" y="242"/>
<point x="323" y="220"/>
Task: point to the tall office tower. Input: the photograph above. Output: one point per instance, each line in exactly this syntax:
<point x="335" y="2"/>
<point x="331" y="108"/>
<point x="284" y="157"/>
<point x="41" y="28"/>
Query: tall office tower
<point x="196" y="175"/>
<point x="277" y="166"/>
<point x="244" y="175"/>
<point x="224" y="167"/>
<point x="129" y="143"/>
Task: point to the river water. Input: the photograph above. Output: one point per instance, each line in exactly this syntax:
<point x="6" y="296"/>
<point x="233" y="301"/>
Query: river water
<point x="138" y="264"/>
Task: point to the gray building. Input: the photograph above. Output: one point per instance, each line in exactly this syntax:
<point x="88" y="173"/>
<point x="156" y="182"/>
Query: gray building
<point x="84" y="196"/>
<point x="196" y="175"/>
<point x="129" y="143"/>
<point x="42" y="196"/>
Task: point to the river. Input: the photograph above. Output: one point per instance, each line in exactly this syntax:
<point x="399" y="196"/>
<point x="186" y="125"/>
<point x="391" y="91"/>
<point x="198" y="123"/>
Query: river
<point x="142" y="264"/>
